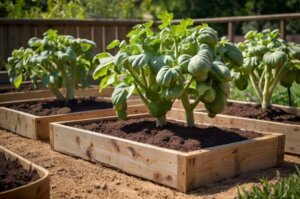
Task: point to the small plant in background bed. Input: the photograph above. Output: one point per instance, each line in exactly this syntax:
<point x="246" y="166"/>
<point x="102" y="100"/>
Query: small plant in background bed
<point x="172" y="63"/>
<point x="58" y="60"/>
<point x="268" y="61"/>
<point x="287" y="187"/>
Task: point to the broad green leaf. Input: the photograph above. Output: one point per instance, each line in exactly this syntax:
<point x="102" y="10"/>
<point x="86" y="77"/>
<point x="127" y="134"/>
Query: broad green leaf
<point x="113" y="44"/>
<point x="17" y="80"/>
<point x="102" y="55"/>
<point x="166" y="19"/>
<point x="101" y="70"/>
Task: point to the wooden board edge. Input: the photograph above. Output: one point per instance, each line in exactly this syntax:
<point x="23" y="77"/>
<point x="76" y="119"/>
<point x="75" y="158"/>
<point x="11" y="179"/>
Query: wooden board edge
<point x="63" y="126"/>
<point x="182" y="173"/>
<point x="281" y="148"/>
<point x="44" y="180"/>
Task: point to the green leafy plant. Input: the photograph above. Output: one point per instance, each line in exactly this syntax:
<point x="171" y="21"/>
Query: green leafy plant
<point x="288" y="187"/>
<point x="171" y="63"/>
<point x="56" y="60"/>
<point x="268" y="61"/>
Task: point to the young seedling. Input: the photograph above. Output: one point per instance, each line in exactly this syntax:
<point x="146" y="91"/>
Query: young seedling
<point x="268" y="61"/>
<point x="57" y="60"/>
<point x="172" y="63"/>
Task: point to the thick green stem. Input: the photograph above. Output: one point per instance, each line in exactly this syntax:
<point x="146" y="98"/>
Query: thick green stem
<point x="255" y="86"/>
<point x="266" y="101"/>
<point x="70" y="90"/>
<point x="135" y="76"/>
<point x="176" y="49"/>
<point x="277" y="79"/>
<point x="188" y="109"/>
<point x="144" y="77"/>
<point x="141" y="96"/>
<point x="56" y="92"/>
<point x="160" y="122"/>
<point x="189" y="115"/>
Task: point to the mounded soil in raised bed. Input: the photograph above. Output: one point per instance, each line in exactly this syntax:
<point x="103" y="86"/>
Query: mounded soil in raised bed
<point x="254" y="111"/>
<point x="54" y="107"/>
<point x="12" y="174"/>
<point x="173" y="136"/>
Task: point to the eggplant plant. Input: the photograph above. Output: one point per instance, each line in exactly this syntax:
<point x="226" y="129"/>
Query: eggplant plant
<point x="57" y="60"/>
<point x="175" y="62"/>
<point x="268" y="61"/>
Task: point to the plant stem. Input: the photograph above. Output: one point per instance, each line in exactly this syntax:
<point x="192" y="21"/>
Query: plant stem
<point x="277" y="79"/>
<point x="141" y="96"/>
<point x="189" y="115"/>
<point x="255" y="86"/>
<point x="266" y="101"/>
<point x="188" y="109"/>
<point x="144" y="77"/>
<point x="135" y="77"/>
<point x="160" y="122"/>
<point x="56" y="92"/>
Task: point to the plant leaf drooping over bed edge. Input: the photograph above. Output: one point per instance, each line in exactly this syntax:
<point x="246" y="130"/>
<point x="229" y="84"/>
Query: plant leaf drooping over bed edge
<point x="172" y="63"/>
<point x="57" y="60"/>
<point x="268" y="61"/>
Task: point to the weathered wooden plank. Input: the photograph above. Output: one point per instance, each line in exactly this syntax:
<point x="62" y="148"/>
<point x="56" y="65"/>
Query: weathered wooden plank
<point x="99" y="38"/>
<point x="38" y="94"/>
<point x="85" y="32"/>
<point x="135" y="158"/>
<point x="292" y="131"/>
<point x="42" y="123"/>
<point x="37" y="189"/>
<point x="182" y="171"/>
<point x="41" y="29"/>
<point x="14" y="39"/>
<point x="110" y="35"/>
<point x="221" y="162"/>
<point x="71" y="30"/>
<point x="19" y="122"/>
<point x="3" y="48"/>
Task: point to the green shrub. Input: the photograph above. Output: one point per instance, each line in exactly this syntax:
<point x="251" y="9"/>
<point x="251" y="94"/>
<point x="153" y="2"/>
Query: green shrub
<point x="285" y="188"/>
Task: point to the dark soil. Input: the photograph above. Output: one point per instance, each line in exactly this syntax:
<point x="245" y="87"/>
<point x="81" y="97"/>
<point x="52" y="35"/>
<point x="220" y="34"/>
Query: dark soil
<point x="13" y="175"/>
<point x="254" y="111"/>
<point x="24" y="87"/>
<point x="173" y="136"/>
<point x="54" y="107"/>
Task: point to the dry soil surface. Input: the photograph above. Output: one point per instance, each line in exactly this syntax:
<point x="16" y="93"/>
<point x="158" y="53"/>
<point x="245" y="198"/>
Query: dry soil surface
<point x="74" y="178"/>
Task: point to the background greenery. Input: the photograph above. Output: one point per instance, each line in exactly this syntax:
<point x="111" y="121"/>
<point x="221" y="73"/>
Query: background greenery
<point x="145" y="9"/>
<point x="149" y="9"/>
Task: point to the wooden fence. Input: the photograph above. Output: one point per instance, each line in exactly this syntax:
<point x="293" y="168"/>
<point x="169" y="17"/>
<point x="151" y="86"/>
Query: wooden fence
<point x="16" y="33"/>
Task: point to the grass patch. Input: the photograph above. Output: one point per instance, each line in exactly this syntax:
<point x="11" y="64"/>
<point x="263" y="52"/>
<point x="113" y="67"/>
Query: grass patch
<point x="285" y="188"/>
<point x="280" y="95"/>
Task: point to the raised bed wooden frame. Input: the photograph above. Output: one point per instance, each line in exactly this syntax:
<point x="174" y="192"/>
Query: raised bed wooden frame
<point x="37" y="127"/>
<point x="179" y="170"/>
<point x="292" y="131"/>
<point x="39" y="189"/>
<point x="44" y="93"/>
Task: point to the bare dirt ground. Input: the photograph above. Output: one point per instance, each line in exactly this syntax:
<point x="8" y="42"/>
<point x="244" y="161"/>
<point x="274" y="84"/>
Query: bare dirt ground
<point x="74" y="178"/>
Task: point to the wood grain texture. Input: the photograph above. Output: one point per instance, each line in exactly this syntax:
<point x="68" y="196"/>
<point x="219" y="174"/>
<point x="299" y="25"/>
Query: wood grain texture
<point x="39" y="189"/>
<point x="42" y="123"/>
<point x="138" y="159"/>
<point x="18" y="122"/>
<point x="38" y="94"/>
<point x="179" y="170"/>
<point x="291" y="131"/>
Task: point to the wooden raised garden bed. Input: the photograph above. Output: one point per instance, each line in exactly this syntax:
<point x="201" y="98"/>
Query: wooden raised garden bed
<point x="39" y="189"/>
<point x="292" y="131"/>
<point x="37" y="127"/>
<point x="44" y="93"/>
<point x="183" y="171"/>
